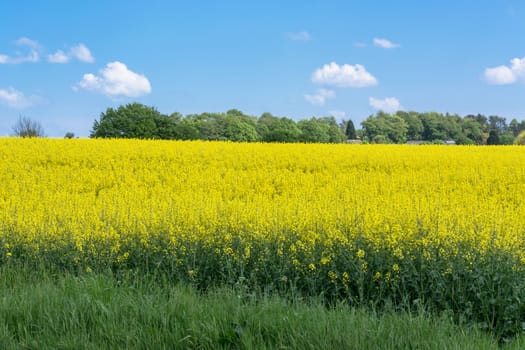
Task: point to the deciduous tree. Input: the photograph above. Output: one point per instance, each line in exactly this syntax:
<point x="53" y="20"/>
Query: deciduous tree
<point x="26" y="127"/>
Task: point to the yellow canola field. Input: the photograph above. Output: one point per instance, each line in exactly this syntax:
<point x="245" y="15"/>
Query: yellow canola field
<point x="89" y="202"/>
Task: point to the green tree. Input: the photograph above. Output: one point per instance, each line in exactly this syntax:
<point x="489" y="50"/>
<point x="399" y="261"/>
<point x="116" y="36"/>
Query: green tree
<point x="374" y="128"/>
<point x="451" y="126"/>
<point x="187" y="129"/>
<point x="472" y="131"/>
<point x="397" y="129"/>
<point x="433" y="127"/>
<point x="285" y="130"/>
<point x="314" y="131"/>
<point x="265" y="124"/>
<point x="335" y="133"/>
<point x="482" y="121"/>
<point x="506" y="138"/>
<point x="498" y="123"/>
<point x="241" y="128"/>
<point x="350" y="130"/>
<point x="516" y="127"/>
<point x="493" y="137"/>
<point x="520" y="139"/>
<point x="385" y="128"/>
<point x="275" y="129"/>
<point x="497" y="128"/>
<point x="415" y="127"/>
<point x="133" y="120"/>
<point x="167" y="126"/>
<point x="230" y="126"/>
<point x="212" y="126"/>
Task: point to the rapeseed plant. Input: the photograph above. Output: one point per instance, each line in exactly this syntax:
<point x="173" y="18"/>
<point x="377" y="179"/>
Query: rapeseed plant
<point x="380" y="224"/>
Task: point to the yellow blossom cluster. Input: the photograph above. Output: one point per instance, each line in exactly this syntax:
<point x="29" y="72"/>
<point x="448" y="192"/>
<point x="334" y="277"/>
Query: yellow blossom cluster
<point x="349" y="216"/>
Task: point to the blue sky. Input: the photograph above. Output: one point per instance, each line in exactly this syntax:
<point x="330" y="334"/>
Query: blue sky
<point x="65" y="62"/>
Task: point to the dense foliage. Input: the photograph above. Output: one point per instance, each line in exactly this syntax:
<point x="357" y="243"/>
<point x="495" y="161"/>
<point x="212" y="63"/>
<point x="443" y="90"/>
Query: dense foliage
<point x="432" y="127"/>
<point x="138" y="121"/>
<point x="391" y="226"/>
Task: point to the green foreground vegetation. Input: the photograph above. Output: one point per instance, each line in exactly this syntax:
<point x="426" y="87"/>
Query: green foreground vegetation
<point x="42" y="310"/>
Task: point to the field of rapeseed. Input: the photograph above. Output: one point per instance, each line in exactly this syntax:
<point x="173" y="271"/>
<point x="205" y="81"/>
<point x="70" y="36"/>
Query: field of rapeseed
<point x="388" y="226"/>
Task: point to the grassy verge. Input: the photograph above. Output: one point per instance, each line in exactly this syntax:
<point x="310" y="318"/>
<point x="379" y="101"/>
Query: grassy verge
<point x="97" y="311"/>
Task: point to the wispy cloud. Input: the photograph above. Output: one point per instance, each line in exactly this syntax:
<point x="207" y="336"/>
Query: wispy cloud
<point x="337" y="114"/>
<point x="17" y="99"/>
<point x="29" y="43"/>
<point x="58" y="57"/>
<point x="385" y="43"/>
<point x="32" y="53"/>
<point x="389" y="104"/>
<point x="116" y="80"/>
<point x="80" y="52"/>
<point x="299" y="36"/>
<point x="320" y="97"/>
<point x="504" y="75"/>
<point x="343" y="76"/>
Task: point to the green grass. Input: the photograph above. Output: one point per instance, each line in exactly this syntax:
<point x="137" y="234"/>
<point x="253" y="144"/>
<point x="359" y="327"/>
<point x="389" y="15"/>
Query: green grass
<point x="39" y="310"/>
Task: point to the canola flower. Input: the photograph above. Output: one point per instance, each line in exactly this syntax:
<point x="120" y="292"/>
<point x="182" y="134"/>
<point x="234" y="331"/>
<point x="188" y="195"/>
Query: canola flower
<point x="361" y="222"/>
<point x="103" y="196"/>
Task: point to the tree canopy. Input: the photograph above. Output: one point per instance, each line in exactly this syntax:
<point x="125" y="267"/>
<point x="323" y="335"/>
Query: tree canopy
<point x="350" y="130"/>
<point x="136" y="120"/>
<point x="433" y="127"/>
<point x="133" y="120"/>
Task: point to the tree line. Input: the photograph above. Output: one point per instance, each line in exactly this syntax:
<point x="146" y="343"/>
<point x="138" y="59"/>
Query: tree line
<point x="136" y="120"/>
<point x="139" y="121"/>
<point x="433" y="127"/>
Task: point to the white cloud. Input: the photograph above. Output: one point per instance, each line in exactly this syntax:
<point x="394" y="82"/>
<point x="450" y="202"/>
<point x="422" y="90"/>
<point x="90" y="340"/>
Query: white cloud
<point x="504" y="75"/>
<point x="80" y="52"/>
<point x="58" y="57"/>
<point x="518" y="67"/>
<point x="29" y="43"/>
<point x="385" y="44"/>
<point x="319" y="98"/>
<point x="31" y="56"/>
<point x="17" y="99"/>
<point x="389" y="104"/>
<point x="500" y="75"/>
<point x="34" y="49"/>
<point x="299" y="36"/>
<point x="337" y="114"/>
<point x="116" y="80"/>
<point x="343" y="76"/>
